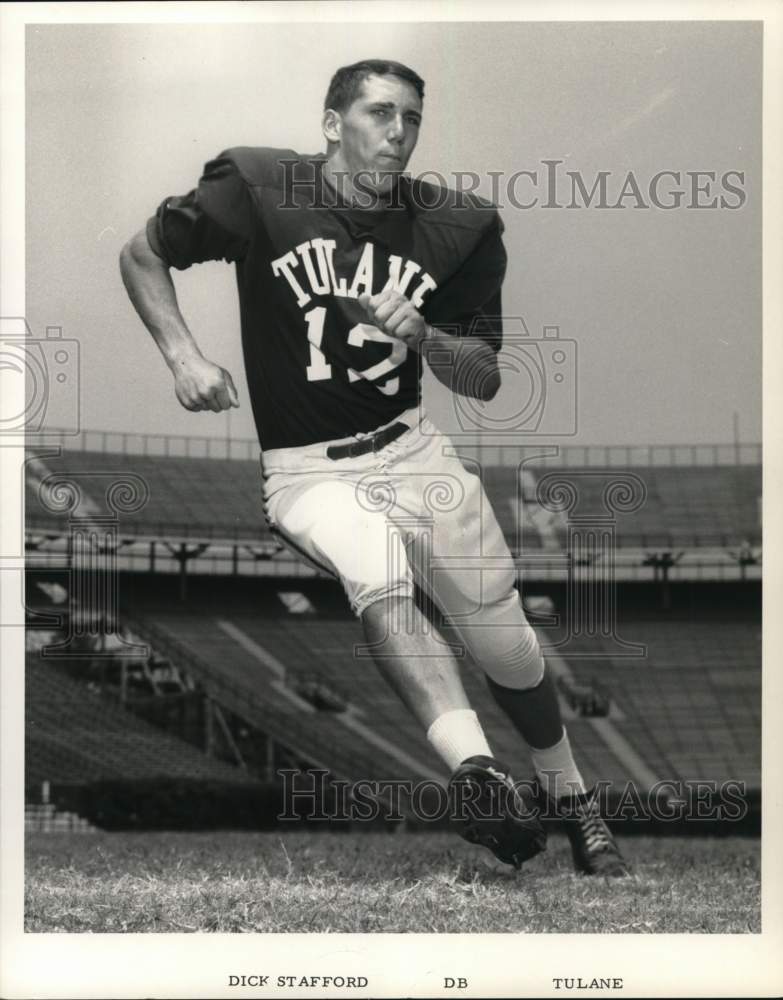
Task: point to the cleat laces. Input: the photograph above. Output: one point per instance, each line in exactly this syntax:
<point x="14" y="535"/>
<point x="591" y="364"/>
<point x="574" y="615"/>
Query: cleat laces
<point x="595" y="833"/>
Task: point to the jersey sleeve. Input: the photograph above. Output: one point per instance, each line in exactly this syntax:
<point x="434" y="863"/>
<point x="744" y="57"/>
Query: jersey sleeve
<point x="468" y="303"/>
<point x="214" y="221"/>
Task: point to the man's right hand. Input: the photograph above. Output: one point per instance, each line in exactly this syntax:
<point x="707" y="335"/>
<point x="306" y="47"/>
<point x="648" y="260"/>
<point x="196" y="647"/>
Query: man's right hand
<point x="198" y="383"/>
<point x="203" y="385"/>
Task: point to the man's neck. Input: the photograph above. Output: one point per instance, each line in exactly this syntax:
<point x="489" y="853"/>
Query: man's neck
<point x="339" y="177"/>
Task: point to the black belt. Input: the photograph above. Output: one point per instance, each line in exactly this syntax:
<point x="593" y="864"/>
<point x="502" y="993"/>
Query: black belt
<point x="372" y="443"/>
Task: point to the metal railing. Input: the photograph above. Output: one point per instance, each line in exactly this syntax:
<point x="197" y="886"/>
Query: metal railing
<point x="615" y="456"/>
<point x="702" y="563"/>
<point x="254" y="536"/>
<point x="160" y="445"/>
<point x="510" y="454"/>
<point x="255" y="542"/>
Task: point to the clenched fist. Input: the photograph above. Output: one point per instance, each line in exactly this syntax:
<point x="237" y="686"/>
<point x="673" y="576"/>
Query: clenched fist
<point x="396" y="316"/>
<point x="203" y="385"/>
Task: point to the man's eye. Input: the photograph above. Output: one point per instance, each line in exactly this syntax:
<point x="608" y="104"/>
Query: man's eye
<point x="413" y="121"/>
<point x="380" y="112"/>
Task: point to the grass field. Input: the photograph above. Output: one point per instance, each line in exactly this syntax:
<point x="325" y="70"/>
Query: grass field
<point x="307" y="882"/>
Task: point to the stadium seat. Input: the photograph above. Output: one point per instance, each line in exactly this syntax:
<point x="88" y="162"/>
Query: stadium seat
<point x="220" y="498"/>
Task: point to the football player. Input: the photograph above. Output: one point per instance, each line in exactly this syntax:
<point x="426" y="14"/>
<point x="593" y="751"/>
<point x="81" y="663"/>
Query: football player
<point x="351" y="275"/>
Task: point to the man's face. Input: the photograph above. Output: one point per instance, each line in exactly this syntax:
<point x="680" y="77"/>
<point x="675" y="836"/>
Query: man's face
<point x="379" y="131"/>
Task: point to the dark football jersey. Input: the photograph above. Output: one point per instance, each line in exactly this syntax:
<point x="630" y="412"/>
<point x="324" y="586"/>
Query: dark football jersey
<point x="316" y="369"/>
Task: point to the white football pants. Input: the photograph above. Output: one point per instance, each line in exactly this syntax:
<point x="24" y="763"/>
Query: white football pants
<point x="410" y="512"/>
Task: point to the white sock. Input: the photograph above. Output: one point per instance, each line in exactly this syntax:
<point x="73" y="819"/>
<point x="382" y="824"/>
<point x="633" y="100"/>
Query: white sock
<point x="557" y="769"/>
<point x="457" y="735"/>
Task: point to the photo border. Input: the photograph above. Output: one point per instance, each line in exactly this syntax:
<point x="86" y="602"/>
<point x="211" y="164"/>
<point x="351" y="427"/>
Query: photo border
<point x="502" y="965"/>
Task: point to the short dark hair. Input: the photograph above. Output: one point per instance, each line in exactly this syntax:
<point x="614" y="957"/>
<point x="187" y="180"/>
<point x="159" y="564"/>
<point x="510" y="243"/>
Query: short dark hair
<point x="347" y="81"/>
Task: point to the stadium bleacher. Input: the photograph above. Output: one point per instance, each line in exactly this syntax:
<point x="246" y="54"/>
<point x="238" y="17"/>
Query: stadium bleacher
<point x="285" y="662"/>
<point x="685" y="506"/>
<point x="692" y="706"/>
<point x="244" y="668"/>
<point x="187" y="496"/>
<point x="74" y="735"/>
<point x="690" y="709"/>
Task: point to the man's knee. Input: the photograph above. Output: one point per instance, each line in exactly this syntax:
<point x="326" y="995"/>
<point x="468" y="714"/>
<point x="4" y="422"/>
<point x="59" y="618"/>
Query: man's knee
<point x="384" y="602"/>
<point x="504" y="644"/>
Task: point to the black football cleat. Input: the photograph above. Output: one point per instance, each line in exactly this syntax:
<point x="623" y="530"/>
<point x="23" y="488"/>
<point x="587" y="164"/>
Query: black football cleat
<point x="594" y="849"/>
<point x="487" y="808"/>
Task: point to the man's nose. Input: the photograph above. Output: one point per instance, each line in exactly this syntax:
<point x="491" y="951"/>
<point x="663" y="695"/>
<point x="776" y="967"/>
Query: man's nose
<point x="396" y="131"/>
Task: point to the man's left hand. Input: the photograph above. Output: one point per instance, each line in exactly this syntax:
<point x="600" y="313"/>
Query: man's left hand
<point x="396" y="316"/>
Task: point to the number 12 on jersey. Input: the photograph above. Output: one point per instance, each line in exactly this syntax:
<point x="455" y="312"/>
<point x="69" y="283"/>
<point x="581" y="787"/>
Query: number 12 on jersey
<point x="358" y="335"/>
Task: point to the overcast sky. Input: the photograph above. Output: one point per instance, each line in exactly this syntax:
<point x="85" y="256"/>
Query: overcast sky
<point x="664" y="306"/>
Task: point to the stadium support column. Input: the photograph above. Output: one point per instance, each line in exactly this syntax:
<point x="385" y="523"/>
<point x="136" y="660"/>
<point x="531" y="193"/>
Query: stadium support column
<point x="661" y="564"/>
<point x="592" y="500"/>
<point x="269" y="760"/>
<point x="209" y="728"/>
<point x="183" y="554"/>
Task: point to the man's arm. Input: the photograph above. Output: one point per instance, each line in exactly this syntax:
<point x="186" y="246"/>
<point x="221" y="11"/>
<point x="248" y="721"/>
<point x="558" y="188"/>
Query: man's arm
<point x="465" y="365"/>
<point x="199" y="384"/>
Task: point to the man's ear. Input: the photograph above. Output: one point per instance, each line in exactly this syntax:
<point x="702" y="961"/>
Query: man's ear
<point x="331" y="124"/>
